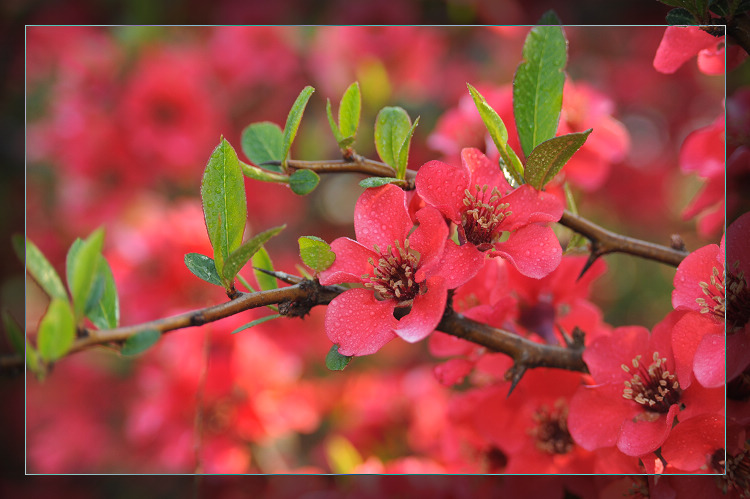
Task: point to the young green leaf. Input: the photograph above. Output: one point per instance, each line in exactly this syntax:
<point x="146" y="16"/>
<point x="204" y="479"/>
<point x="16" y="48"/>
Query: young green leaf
<point x="241" y="255"/>
<point x="203" y="267"/>
<point x="14" y="331"/>
<point x="57" y="330"/>
<point x="335" y="361"/>
<point x="303" y="182"/>
<point x="81" y="262"/>
<point x="263" y="142"/>
<point x="549" y="18"/>
<point x="378" y="181"/>
<point x="103" y="306"/>
<point x="224" y="202"/>
<point x="39" y="267"/>
<point x="538" y="86"/>
<point x="349" y="111"/>
<point x="33" y="362"/>
<point x="511" y="165"/>
<point x="548" y="158"/>
<point x="334" y="127"/>
<point x="293" y="120"/>
<point x="392" y="127"/>
<point x="315" y="253"/>
<point x="140" y="342"/>
<point x="256" y="173"/>
<point x="403" y="153"/>
<point x="680" y="17"/>
<point x="262" y="260"/>
<point x="255" y="323"/>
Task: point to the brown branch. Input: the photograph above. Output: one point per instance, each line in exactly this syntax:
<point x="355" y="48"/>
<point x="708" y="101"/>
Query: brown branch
<point x="297" y="300"/>
<point x="604" y="241"/>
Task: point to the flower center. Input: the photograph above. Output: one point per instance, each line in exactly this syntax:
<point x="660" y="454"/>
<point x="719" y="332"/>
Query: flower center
<point x="653" y="387"/>
<point x="551" y="431"/>
<point x="727" y="297"/>
<point x="737" y="468"/>
<point x="481" y="216"/>
<point x="393" y="274"/>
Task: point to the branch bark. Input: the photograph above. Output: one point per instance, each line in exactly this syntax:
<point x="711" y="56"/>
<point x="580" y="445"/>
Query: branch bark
<point x="297" y="300"/>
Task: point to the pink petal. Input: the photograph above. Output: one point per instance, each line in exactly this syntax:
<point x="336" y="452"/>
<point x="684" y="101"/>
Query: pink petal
<point x="587" y="169"/>
<point x="443" y="185"/>
<point x="381" y="217"/>
<point x="711" y="194"/>
<point x="453" y="371"/>
<point x="446" y="345"/>
<point x="709" y="361"/>
<point x="606" y="354"/>
<point x="645" y="435"/>
<point x="428" y="239"/>
<point x="691" y="443"/>
<point x="351" y="262"/>
<point x="483" y="171"/>
<point x="534" y="250"/>
<point x="678" y="45"/>
<point x="359" y="323"/>
<point x="426" y="312"/>
<point x="703" y="150"/>
<point x="596" y="415"/>
<point x="528" y="205"/>
<point x="686" y="336"/>
<point x="457" y="265"/>
<point x="695" y="268"/>
<point x="711" y="60"/>
<point x="700" y="400"/>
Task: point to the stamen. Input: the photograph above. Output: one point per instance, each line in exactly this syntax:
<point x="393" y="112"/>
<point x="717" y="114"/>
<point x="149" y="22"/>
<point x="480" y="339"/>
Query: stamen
<point x="484" y="215"/>
<point x="394" y="268"/>
<point x="653" y="387"/>
<point x="550" y="432"/>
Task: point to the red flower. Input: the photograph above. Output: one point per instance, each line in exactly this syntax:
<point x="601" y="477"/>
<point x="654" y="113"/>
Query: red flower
<point x="397" y="269"/>
<point x="681" y="43"/>
<point x="478" y="199"/>
<point x="636" y="395"/>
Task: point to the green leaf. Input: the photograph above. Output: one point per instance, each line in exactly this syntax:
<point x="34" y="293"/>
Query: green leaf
<point x="334" y="127"/>
<point x="241" y="255"/>
<point x="39" y="267"/>
<point x="403" y="153"/>
<point x="549" y="18"/>
<point x="57" y="331"/>
<point x="14" y="331"/>
<point x="256" y="173"/>
<point x="315" y="253"/>
<point x="140" y="342"/>
<point x="103" y="307"/>
<point x="538" y="86"/>
<point x="349" y="111"/>
<point x="392" y="127"/>
<point x="293" y="120"/>
<point x="511" y="165"/>
<point x="262" y="260"/>
<point x="728" y="8"/>
<point x="224" y="202"/>
<point x="203" y="266"/>
<point x="378" y="181"/>
<point x="303" y="182"/>
<point x="263" y="142"/>
<point x="548" y="158"/>
<point x="82" y="260"/>
<point x="33" y="362"/>
<point x="335" y="361"/>
<point x="256" y="322"/>
<point x="680" y="17"/>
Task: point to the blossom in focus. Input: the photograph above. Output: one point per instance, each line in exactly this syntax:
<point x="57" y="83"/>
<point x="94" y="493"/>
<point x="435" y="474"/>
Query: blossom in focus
<point x="681" y="43"/>
<point x="397" y="269"/>
<point x="478" y="199"/>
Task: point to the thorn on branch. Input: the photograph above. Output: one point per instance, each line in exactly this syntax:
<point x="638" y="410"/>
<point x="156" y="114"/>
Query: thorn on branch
<point x="593" y="256"/>
<point x="677" y="243"/>
<point x="514" y="374"/>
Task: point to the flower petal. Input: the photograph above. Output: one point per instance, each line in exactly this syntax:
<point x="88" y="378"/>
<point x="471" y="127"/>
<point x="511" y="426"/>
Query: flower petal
<point x="596" y="415"/>
<point x="687" y="334"/>
<point x="443" y="185"/>
<point x="483" y="171"/>
<point x="381" y="217"/>
<point x="457" y="265"/>
<point x="428" y="239"/>
<point x="695" y="268"/>
<point x="426" y="312"/>
<point x="691" y="442"/>
<point x="359" y="323"/>
<point x="453" y="371"/>
<point x="534" y="250"/>
<point x="708" y="363"/>
<point x="646" y="432"/>
<point x="678" y="45"/>
<point x="351" y="262"/>
<point x="528" y="205"/>
<point x="606" y="354"/>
